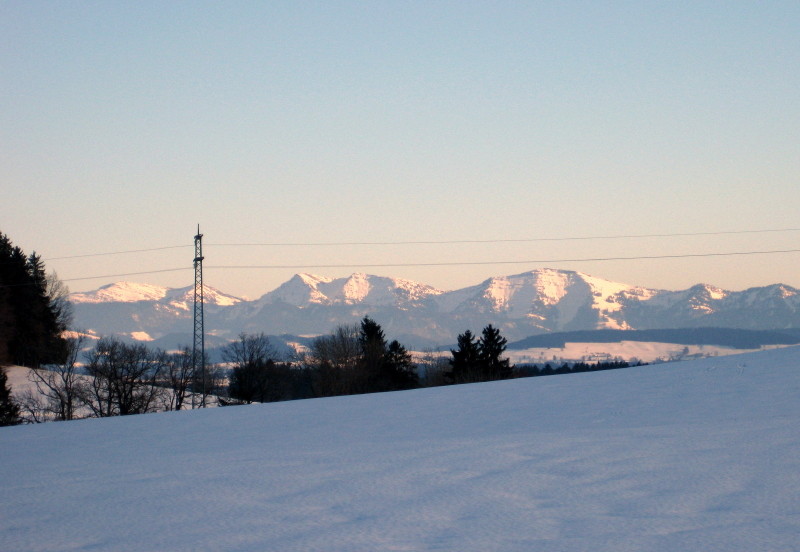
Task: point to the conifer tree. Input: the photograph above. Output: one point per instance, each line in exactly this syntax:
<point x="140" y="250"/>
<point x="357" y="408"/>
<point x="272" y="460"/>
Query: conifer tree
<point x="384" y="367"/>
<point x="401" y="373"/>
<point x="373" y="345"/>
<point x="465" y="361"/>
<point x="30" y="328"/>
<point x="9" y="410"/>
<point x="357" y="359"/>
<point x="479" y="360"/>
<point x="490" y="347"/>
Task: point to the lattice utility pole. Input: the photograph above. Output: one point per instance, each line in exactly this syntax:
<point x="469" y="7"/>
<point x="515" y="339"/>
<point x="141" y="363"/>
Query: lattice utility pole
<point x="199" y="345"/>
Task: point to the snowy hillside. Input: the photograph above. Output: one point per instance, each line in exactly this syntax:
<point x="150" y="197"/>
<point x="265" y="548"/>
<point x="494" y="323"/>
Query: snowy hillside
<point x="130" y="292"/>
<point x="365" y="289"/>
<point x="701" y="455"/>
<point x="143" y="312"/>
<point x="557" y="299"/>
<point x="121" y="292"/>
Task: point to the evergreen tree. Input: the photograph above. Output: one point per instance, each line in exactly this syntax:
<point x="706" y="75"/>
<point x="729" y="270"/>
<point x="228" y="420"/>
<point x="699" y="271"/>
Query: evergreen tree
<point x="6" y="323"/>
<point x="373" y="343"/>
<point x="357" y="359"/>
<point x="465" y="361"/>
<point x="479" y="360"/>
<point x="30" y="327"/>
<point x="384" y="367"/>
<point x="490" y="347"/>
<point x="400" y="371"/>
<point x="9" y="410"/>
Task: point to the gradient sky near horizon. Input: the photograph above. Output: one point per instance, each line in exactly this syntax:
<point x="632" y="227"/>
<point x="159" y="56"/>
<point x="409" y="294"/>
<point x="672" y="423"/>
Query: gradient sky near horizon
<point x="125" y="124"/>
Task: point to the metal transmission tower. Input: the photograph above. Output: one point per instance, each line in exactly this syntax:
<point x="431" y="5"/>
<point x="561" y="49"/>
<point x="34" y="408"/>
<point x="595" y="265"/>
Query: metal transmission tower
<point x="199" y="345"/>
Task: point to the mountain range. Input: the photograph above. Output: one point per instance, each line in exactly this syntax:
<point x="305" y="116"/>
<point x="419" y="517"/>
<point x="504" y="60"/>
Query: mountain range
<point x="420" y="316"/>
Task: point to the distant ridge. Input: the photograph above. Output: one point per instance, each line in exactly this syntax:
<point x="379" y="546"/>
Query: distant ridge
<point x="542" y="301"/>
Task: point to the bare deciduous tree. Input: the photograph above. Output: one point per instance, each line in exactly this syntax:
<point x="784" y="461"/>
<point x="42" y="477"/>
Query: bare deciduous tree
<point x="58" y="293"/>
<point x="334" y="360"/>
<point x="206" y="384"/>
<point x="434" y="367"/>
<point x="254" y="374"/>
<point x="123" y="379"/>
<point x="59" y="387"/>
<point x="177" y="376"/>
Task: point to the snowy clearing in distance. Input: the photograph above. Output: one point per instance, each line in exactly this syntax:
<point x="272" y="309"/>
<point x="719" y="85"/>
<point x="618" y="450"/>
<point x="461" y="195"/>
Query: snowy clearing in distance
<point x="645" y="351"/>
<point x="695" y="455"/>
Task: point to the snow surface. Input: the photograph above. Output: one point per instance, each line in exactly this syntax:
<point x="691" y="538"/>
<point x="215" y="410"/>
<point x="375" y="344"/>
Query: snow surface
<point x="183" y="298"/>
<point x="131" y="292"/>
<point x="359" y="288"/>
<point x="645" y="351"/>
<point x="700" y="455"/>
<point x="566" y="291"/>
<point x="525" y="304"/>
<point x="123" y="292"/>
<point x="18" y="380"/>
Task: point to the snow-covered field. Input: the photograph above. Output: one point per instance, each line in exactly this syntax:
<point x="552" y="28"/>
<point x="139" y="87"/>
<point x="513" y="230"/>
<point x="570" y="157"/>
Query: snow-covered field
<point x="18" y="379"/>
<point x="701" y="455"/>
<point x="645" y="351"/>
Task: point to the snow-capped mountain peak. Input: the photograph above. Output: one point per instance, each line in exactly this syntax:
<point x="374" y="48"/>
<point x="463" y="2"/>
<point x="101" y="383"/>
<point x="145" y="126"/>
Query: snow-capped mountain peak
<point x="312" y="279"/>
<point x="183" y="298"/>
<point x="300" y="290"/>
<point x="121" y="292"/>
<point x="358" y="288"/>
<point x="551" y="285"/>
<point x="129" y="292"/>
<point x="542" y="288"/>
<point x="543" y="300"/>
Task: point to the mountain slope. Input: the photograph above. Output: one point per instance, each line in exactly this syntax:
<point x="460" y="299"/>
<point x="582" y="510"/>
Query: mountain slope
<point x="534" y="302"/>
<point x="553" y="299"/>
<point x="120" y="292"/>
<point x="132" y="310"/>
<point x="700" y="455"/>
<point x="359" y="288"/>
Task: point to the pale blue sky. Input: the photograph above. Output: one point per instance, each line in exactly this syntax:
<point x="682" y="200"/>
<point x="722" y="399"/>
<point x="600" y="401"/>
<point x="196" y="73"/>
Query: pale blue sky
<point x="124" y="124"/>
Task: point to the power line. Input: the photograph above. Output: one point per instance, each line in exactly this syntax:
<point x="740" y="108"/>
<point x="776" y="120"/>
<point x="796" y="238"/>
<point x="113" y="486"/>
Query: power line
<point x="453" y="263"/>
<point x="505" y="240"/>
<point x="431" y="242"/>
<point x="116" y="252"/>
<point x="532" y="261"/>
<point x="120" y="275"/>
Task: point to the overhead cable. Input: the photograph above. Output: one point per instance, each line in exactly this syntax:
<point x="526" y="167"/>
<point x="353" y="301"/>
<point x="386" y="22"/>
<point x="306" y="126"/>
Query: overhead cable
<point x="429" y="242"/>
<point x="530" y="261"/>
<point x="446" y="263"/>
<point x="504" y="240"/>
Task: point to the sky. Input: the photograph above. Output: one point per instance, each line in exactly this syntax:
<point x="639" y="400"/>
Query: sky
<point x="338" y="132"/>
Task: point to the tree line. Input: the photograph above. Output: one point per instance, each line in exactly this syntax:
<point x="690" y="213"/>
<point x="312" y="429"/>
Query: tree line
<point x="73" y="379"/>
<point x="533" y="370"/>
<point x="114" y="378"/>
